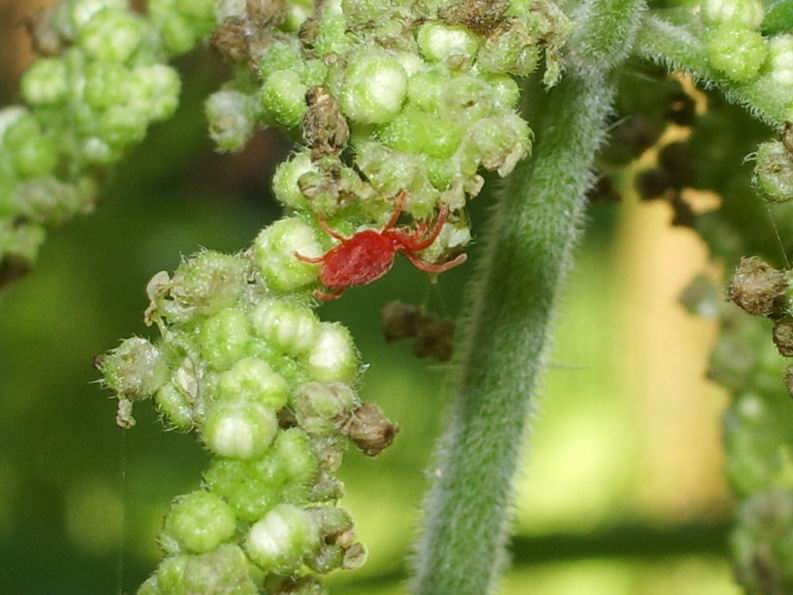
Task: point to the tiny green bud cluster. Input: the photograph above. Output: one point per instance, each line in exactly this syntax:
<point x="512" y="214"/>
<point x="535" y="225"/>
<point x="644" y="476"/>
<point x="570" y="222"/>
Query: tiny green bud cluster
<point x="103" y="82"/>
<point x="271" y="391"/>
<point x="389" y="97"/>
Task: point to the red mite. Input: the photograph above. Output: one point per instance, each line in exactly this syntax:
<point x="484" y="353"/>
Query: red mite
<point x="367" y="255"/>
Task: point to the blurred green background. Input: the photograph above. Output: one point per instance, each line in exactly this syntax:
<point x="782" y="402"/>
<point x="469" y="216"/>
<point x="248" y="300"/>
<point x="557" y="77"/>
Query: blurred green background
<point x="622" y="490"/>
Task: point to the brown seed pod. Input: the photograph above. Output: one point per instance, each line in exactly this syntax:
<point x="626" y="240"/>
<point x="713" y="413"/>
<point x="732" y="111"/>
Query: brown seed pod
<point x="370" y="430"/>
<point x="758" y="288"/>
<point x="783" y="336"/>
<point x="482" y="16"/>
<point x="400" y="321"/>
<point x="325" y="129"/>
<point x="231" y="39"/>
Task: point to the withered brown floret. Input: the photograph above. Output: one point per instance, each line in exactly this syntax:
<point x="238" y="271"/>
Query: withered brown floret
<point x="325" y="129"/>
<point x="482" y="16"/>
<point x="758" y="288"/>
<point x="370" y="430"/>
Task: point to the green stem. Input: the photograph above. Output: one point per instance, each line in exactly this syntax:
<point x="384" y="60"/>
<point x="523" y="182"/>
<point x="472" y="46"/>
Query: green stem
<point x="677" y="48"/>
<point x="502" y="356"/>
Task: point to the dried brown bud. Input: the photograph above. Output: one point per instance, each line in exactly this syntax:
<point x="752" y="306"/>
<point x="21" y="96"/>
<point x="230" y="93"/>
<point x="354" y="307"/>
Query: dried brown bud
<point x="789" y="380"/>
<point x="266" y="13"/>
<point x="787" y="138"/>
<point x="758" y="288"/>
<point x="482" y="16"/>
<point x="231" y="39"/>
<point x="308" y="33"/>
<point x="44" y="36"/>
<point x="324" y="127"/>
<point x="369" y="429"/>
<point x="783" y="336"/>
<point x="436" y="340"/>
<point x="400" y="321"/>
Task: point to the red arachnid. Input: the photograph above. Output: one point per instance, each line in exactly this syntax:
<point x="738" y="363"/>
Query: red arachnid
<point x="367" y="255"/>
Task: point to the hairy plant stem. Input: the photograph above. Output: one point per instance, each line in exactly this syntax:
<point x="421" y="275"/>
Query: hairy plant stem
<point x="527" y="250"/>
<point x="677" y="48"/>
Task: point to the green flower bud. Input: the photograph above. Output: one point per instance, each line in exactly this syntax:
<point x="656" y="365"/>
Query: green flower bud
<point x="427" y="89"/>
<point x="322" y="408"/>
<point x="48" y="200"/>
<point x="112" y="35"/>
<point x="279" y="56"/>
<point x="512" y="50"/>
<point x="502" y="142"/>
<point x="737" y="53"/>
<point x="221" y="572"/>
<point x="151" y="586"/>
<point x="46" y="82"/>
<point x="182" y="23"/>
<point x="773" y="173"/>
<point x="313" y="73"/>
<point x="279" y="542"/>
<point x="780" y="59"/>
<point x="332" y="36"/>
<point x="453" y="45"/>
<point x="175" y="406"/>
<point x="224" y="338"/>
<point x="197" y="523"/>
<point x="170" y="574"/>
<point x="285" y="180"/>
<point x="156" y="90"/>
<point x="283" y="98"/>
<point x="106" y="84"/>
<point x="374" y="88"/>
<point x="205" y="284"/>
<point x="333" y="356"/>
<point x="417" y="132"/>
<point x="10" y="116"/>
<point x="296" y="456"/>
<point x="135" y="369"/>
<point x="122" y="125"/>
<point x="239" y="429"/>
<point x="292" y="328"/>
<point x="274" y="253"/>
<point x="505" y="92"/>
<point x="82" y="11"/>
<point x="252" y="379"/>
<point x="230" y="115"/>
<point x="738" y="13"/>
<point x="298" y="12"/>
<point x="95" y="150"/>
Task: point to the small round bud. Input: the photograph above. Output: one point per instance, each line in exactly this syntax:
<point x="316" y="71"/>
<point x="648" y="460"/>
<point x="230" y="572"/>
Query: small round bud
<point x="135" y="369"/>
<point x="279" y="542"/>
<point x="323" y="408"/>
<point x="286" y="177"/>
<point x="275" y="252"/>
<point x="736" y="52"/>
<point x="426" y="90"/>
<point x="170" y="574"/>
<point x="175" y="407"/>
<point x="223" y="571"/>
<point x="453" y="45"/>
<point x="295" y="455"/>
<point x="780" y="59"/>
<point x="156" y="90"/>
<point x="374" y="88"/>
<point x="46" y="82"/>
<point x="283" y="98"/>
<point x="252" y="379"/>
<point x="333" y="356"/>
<point x="510" y="50"/>
<point x="106" y="84"/>
<point x="279" y="56"/>
<point x="112" y="35"/>
<point x="239" y="429"/>
<point x="122" y="125"/>
<point x="502" y="142"/>
<point x="738" y="13"/>
<point x="291" y="328"/>
<point x="331" y="36"/>
<point x="757" y="287"/>
<point x="773" y="172"/>
<point x="197" y="523"/>
<point x="82" y="11"/>
<point x="230" y="116"/>
<point x="419" y="132"/>
<point x="224" y="338"/>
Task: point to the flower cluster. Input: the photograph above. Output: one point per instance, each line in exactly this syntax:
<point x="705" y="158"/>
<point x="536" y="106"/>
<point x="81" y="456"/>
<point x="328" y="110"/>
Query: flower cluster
<point x="101" y="80"/>
<point x="746" y="45"/>
<point x="387" y="99"/>
<point x="270" y="391"/>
